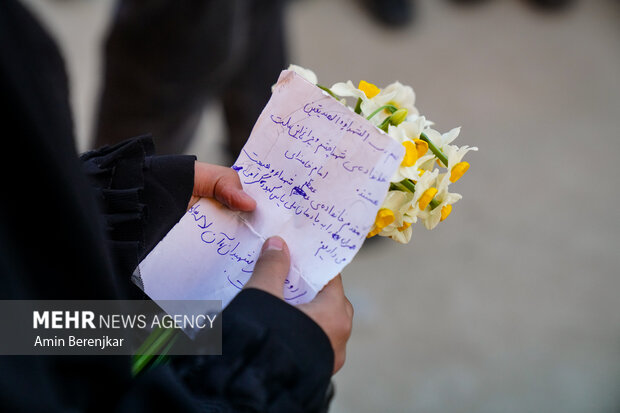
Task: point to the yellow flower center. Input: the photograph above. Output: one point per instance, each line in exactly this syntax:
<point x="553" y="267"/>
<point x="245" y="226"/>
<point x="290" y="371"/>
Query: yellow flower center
<point x="373" y="232"/>
<point x="405" y="226"/>
<point x="369" y="89"/>
<point x="458" y="171"/>
<point x="427" y="197"/>
<point x="445" y="211"/>
<point x="411" y="154"/>
<point x="421" y="146"/>
<point x="384" y="218"/>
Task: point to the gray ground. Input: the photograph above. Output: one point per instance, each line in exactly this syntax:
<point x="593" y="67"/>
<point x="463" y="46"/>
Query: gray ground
<point x="511" y="304"/>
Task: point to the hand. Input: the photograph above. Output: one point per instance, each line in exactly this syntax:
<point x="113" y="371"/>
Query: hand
<point x="330" y="309"/>
<point x="221" y="183"/>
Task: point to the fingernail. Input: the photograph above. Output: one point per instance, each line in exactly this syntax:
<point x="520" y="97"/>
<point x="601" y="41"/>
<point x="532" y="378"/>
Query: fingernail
<point x="249" y="198"/>
<point x="273" y="244"/>
<point x="244" y="197"/>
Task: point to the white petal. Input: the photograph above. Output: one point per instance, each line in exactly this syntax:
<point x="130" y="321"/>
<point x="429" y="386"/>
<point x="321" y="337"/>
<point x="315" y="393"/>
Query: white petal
<point x="434" y="136"/>
<point x="404" y="236"/>
<point x="456" y="154"/>
<point x="448" y="137"/>
<point x="347" y="89"/>
<point x="305" y="73"/>
<point x="395" y="201"/>
<point x="433" y="218"/>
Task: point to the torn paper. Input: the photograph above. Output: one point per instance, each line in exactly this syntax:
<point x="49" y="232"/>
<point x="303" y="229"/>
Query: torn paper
<point x="318" y="172"/>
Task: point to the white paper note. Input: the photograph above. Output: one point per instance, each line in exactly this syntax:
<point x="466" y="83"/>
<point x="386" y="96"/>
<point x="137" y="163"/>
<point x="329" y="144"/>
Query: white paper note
<point x="318" y="172"/>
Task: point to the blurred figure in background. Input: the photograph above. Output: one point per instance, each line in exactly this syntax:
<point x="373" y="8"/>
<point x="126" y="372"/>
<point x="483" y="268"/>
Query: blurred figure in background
<point x="400" y="13"/>
<point x="392" y="13"/>
<point x="542" y="4"/>
<point x="165" y="60"/>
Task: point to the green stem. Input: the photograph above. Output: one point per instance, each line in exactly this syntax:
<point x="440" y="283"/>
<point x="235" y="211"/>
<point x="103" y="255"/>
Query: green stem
<point x="163" y="356"/>
<point x="438" y="153"/>
<point x="147" y="352"/>
<point x="407" y="183"/>
<point x="385" y="124"/>
<point x="358" y="106"/>
<point x="150" y="340"/>
<point x="391" y="108"/>
<point x="398" y="186"/>
<point x="328" y="91"/>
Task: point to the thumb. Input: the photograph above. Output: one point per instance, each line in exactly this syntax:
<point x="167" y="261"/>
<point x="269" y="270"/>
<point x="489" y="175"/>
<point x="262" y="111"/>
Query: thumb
<point x="272" y="267"/>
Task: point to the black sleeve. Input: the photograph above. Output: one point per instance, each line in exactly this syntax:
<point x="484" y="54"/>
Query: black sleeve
<point x="141" y="196"/>
<point x="275" y="359"/>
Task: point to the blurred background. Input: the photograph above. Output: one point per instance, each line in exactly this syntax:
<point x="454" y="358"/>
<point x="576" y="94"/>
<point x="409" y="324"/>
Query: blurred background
<point x="512" y="304"/>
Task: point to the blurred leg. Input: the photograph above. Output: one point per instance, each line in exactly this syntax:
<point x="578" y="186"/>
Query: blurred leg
<point x="250" y="88"/>
<point x="163" y="60"/>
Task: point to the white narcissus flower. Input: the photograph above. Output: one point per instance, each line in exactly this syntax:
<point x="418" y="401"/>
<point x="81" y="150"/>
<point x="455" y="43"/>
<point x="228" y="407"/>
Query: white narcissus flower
<point x="416" y="150"/>
<point x="441" y="140"/>
<point x="401" y="233"/>
<point x="432" y="217"/>
<point x="307" y="74"/>
<point x="391" y="214"/>
<point x="363" y="91"/>
<point x="401" y="229"/>
<point x="455" y="165"/>
<point x="347" y="90"/>
<point x="418" y="201"/>
<point x="397" y="95"/>
<point x="408" y="130"/>
<point x="424" y="192"/>
<point x="414" y="117"/>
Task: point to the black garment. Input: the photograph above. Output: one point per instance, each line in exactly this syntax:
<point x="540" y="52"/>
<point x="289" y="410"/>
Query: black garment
<point x="75" y="230"/>
<point x="165" y="59"/>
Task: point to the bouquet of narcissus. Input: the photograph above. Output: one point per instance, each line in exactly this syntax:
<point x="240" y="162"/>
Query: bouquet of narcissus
<point x="419" y="188"/>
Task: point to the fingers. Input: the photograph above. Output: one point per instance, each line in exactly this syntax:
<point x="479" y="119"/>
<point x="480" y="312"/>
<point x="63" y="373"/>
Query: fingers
<point x="332" y="290"/>
<point x="333" y="312"/>
<point x="271" y="268"/>
<point x="221" y="183"/>
<point x="349" y="308"/>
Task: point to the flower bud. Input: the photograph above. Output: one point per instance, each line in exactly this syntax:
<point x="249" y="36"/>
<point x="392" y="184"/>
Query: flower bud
<point x="398" y="117"/>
